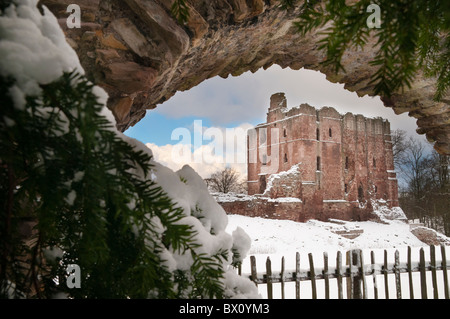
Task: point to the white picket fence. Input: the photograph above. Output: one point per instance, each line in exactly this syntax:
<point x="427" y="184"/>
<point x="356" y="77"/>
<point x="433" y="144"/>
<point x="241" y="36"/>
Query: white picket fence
<point x="355" y="277"/>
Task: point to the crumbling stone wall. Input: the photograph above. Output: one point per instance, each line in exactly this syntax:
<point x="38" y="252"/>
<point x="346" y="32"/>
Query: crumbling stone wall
<point x="335" y="164"/>
<point x="287" y="184"/>
<point x="265" y="208"/>
<point x="289" y="209"/>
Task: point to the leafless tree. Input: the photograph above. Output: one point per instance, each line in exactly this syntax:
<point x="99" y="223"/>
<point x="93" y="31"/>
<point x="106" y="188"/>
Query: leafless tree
<point x="225" y="181"/>
<point x="399" y="145"/>
<point x="414" y="166"/>
<point x="426" y="193"/>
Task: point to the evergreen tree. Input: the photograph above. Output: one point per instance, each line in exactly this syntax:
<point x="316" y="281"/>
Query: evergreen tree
<point x="90" y="194"/>
<point x="180" y="11"/>
<point x="413" y="36"/>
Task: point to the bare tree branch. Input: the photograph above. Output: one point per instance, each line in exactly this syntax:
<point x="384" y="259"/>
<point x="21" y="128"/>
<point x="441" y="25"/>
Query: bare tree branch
<point x="225" y="181"/>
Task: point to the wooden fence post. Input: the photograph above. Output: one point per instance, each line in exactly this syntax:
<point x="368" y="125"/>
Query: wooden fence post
<point x="363" y="274"/>
<point x="397" y="275"/>
<point x="269" y="278"/>
<point x="282" y="277"/>
<point x="339" y="273"/>
<point x="297" y="275"/>
<point x="444" y="269"/>
<point x="326" y="275"/>
<point x="312" y="276"/>
<point x="254" y="274"/>
<point x="355" y="273"/>
<point x="375" y="286"/>
<point x="423" y="279"/>
<point x="385" y="270"/>
<point x="433" y="271"/>
<point x="349" y="280"/>
<point x="411" y="288"/>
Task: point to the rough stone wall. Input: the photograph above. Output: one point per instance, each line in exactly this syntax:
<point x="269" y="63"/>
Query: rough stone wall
<point x="260" y="206"/>
<point x="288" y="184"/>
<point x="263" y="207"/>
<point x="142" y="56"/>
<point x="335" y="164"/>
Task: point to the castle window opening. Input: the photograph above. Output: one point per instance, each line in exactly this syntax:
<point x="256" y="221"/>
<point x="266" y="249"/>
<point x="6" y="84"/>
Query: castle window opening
<point x="329" y="132"/>
<point x="285" y="158"/>
<point x="346" y="162"/>
<point x="360" y="194"/>
<point x="284" y="133"/>
<point x="262" y="183"/>
<point x="318" y="163"/>
<point x="346" y="188"/>
<point x="317" y="134"/>
<point x="374" y="163"/>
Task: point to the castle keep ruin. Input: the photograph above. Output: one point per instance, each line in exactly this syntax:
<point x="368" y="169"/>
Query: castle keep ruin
<point x="305" y="163"/>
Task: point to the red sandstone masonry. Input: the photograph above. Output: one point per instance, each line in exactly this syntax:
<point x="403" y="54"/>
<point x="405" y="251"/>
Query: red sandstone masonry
<point x="256" y="206"/>
<point x="344" y="161"/>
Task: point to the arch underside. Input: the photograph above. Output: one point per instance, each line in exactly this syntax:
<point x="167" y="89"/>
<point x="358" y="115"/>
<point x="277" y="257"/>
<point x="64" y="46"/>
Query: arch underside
<point x="141" y="56"/>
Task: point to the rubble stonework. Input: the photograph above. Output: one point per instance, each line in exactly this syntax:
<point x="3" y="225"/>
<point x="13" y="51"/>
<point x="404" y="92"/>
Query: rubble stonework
<point x="287" y="208"/>
<point x="335" y="165"/>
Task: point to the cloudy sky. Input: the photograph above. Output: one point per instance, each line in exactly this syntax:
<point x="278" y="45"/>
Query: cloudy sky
<point x="191" y="128"/>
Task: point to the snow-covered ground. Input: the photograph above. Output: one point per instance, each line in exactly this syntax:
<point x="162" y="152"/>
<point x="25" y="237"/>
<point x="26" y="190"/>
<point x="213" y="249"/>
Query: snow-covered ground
<point x="278" y="238"/>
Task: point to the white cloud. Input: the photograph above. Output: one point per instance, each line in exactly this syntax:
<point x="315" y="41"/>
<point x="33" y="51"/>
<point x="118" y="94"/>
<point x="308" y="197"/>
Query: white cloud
<point x="224" y="147"/>
<point x="246" y="98"/>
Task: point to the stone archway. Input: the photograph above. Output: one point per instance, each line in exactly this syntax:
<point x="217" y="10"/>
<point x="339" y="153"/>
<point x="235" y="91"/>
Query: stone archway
<point x="141" y="56"/>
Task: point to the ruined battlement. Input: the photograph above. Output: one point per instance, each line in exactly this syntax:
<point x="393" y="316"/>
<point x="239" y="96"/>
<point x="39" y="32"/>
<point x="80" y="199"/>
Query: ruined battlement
<point x="342" y="162"/>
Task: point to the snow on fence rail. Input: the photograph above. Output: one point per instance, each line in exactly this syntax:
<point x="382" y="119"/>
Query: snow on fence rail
<point x="359" y="276"/>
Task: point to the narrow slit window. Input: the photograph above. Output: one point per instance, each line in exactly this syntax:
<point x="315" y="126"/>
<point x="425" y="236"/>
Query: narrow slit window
<point x="329" y="132"/>
<point x="360" y="194"/>
<point x="317" y="134"/>
<point x="285" y="158"/>
<point x="346" y="162"/>
<point x="318" y="163"/>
